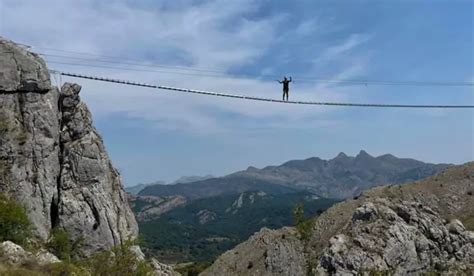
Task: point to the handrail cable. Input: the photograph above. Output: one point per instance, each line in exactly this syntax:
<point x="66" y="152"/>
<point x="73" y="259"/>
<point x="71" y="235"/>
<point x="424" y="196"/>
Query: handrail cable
<point x="210" y="93"/>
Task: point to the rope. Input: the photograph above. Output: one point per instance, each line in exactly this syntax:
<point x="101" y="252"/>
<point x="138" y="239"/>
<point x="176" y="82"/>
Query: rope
<point x="210" y="93"/>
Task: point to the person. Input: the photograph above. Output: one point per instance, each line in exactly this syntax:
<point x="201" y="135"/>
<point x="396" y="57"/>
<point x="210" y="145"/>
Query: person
<point x="286" y="87"/>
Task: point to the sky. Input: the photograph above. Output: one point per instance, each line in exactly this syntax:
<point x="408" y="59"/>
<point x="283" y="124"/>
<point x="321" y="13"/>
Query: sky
<point x="158" y="135"/>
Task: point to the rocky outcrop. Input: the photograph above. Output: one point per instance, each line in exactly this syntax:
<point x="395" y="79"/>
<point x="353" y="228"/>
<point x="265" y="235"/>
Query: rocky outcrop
<point x="404" y="238"/>
<point x="268" y="252"/>
<point x="52" y="159"/>
<point x="13" y="254"/>
<point x="160" y="269"/>
<point x="91" y="197"/>
<point x="406" y="229"/>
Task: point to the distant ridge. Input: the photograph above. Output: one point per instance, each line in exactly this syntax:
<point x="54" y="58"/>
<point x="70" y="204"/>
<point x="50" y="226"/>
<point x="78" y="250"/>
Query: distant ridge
<point x="341" y="177"/>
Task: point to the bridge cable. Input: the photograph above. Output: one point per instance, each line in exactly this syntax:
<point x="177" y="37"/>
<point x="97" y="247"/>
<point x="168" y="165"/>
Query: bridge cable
<point x="211" y="93"/>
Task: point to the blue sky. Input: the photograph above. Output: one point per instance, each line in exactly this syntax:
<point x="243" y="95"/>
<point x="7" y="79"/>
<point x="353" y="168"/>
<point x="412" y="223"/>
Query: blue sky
<point x="153" y="135"/>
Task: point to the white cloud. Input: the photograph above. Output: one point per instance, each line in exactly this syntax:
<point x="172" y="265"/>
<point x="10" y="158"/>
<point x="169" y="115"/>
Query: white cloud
<point x="200" y="34"/>
<point x="346" y="46"/>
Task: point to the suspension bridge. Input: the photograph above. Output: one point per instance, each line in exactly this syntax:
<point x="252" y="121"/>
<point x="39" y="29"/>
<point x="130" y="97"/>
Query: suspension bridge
<point x="242" y="97"/>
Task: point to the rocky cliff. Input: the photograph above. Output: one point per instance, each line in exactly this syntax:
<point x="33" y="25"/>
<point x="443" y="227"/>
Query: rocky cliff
<point x="422" y="227"/>
<point x="53" y="160"/>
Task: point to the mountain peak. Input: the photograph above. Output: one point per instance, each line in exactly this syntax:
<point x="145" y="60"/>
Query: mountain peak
<point x="252" y="169"/>
<point x="363" y="153"/>
<point x="341" y="155"/>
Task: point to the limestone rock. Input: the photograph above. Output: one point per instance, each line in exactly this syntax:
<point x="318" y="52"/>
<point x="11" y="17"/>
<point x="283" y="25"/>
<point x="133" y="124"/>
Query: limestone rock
<point x="365" y="212"/>
<point x="52" y="159"/>
<point x="92" y="202"/>
<point x="162" y="269"/>
<point x="268" y="252"/>
<point x="21" y="70"/>
<point x="456" y="227"/>
<point x="14" y="254"/>
<point x="403" y="239"/>
<point x="44" y="257"/>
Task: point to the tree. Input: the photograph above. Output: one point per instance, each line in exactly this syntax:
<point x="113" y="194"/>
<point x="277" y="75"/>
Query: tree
<point x="303" y="225"/>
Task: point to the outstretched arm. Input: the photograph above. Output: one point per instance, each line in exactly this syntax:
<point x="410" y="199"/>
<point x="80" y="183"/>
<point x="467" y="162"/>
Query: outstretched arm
<point x="279" y="81"/>
<point x="291" y="79"/>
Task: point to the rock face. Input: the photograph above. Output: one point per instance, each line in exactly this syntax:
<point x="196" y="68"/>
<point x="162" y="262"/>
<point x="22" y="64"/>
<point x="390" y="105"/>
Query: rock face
<point x="53" y="160"/>
<point x="268" y="252"/>
<point x="399" y="238"/>
<point x="406" y="229"/>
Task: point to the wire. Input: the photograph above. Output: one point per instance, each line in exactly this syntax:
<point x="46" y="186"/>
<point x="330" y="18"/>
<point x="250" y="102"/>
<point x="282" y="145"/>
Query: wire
<point x="210" y="93"/>
<point x="134" y="63"/>
<point x="138" y="70"/>
<point x="223" y="74"/>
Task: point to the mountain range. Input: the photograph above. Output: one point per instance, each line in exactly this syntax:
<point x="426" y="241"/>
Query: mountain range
<point x="183" y="179"/>
<point x="197" y="221"/>
<point x="340" y="177"/>
<point x="421" y="228"/>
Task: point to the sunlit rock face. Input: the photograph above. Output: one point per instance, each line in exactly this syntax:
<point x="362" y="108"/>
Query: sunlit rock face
<point x="53" y="160"/>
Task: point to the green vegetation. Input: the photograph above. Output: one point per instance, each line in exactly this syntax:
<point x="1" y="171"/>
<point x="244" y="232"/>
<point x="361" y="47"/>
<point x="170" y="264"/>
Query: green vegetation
<point x="179" y="235"/>
<point x="193" y="269"/>
<point x="303" y="225"/>
<point x="14" y="223"/>
<point x="59" y="243"/>
<point x="120" y="261"/>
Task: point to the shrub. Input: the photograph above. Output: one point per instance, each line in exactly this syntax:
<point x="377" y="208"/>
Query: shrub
<point x="60" y="244"/>
<point x="302" y="224"/>
<point x="64" y="269"/>
<point x="119" y="261"/>
<point x="14" y="223"/>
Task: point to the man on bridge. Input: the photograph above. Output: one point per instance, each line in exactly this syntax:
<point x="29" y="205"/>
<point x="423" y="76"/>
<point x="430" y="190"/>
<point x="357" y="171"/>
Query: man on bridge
<point x="286" y="87"/>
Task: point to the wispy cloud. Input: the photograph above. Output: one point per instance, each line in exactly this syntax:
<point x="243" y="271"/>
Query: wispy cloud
<point x="336" y="51"/>
<point x="213" y="34"/>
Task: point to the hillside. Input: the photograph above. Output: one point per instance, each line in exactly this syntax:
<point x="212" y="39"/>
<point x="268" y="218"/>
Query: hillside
<point x="340" y="177"/>
<point x="400" y="229"/>
<point x="205" y="228"/>
<point x="217" y="186"/>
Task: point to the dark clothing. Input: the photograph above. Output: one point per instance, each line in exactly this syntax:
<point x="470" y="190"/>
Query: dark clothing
<point x="285" y="92"/>
<point x="286" y="87"/>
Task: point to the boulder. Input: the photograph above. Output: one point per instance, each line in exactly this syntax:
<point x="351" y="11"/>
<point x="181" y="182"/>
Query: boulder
<point x="15" y="255"/>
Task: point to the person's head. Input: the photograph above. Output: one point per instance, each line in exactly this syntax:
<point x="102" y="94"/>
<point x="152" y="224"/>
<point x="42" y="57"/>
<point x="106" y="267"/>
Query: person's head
<point x="284" y="77"/>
